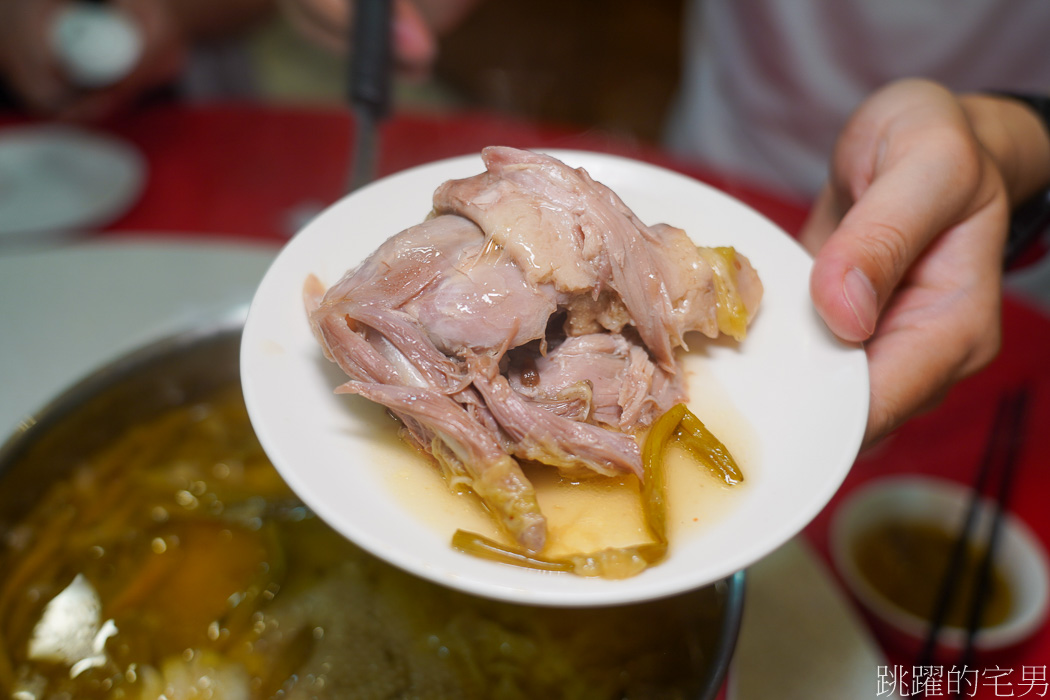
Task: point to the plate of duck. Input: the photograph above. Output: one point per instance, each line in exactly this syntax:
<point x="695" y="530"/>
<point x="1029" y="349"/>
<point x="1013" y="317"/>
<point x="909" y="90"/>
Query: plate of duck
<point x="555" y="378"/>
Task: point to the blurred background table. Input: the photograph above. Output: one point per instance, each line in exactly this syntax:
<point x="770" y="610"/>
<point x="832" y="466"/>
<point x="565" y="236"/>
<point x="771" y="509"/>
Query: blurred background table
<point x="251" y="171"/>
<point x="249" y="175"/>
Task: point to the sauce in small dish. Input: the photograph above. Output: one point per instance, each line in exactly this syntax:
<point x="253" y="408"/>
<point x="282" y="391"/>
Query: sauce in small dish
<point x="891" y="542"/>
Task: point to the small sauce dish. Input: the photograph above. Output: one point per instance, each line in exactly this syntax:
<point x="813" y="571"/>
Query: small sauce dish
<point x="890" y="543"/>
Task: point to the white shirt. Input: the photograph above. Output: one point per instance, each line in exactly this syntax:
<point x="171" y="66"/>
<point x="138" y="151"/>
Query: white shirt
<point x="767" y="84"/>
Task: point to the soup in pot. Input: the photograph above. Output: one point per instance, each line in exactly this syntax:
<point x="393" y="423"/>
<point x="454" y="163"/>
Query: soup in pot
<point x="174" y="562"/>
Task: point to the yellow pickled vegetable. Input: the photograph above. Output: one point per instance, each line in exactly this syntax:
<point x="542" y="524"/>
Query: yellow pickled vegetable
<point x="701" y="443"/>
<point x="611" y="563"/>
<point x="678" y="425"/>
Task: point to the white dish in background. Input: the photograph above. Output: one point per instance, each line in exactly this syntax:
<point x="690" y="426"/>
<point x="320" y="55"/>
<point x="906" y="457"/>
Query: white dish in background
<point x="58" y="179"/>
<point x="96" y="45"/>
<point x="803" y="394"/>
<point x="112" y="296"/>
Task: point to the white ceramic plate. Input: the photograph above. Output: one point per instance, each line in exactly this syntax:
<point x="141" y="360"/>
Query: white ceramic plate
<point x="803" y="395"/>
<point x="56" y="179"/>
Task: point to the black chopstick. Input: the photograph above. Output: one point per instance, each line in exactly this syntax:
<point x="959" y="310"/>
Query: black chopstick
<point x="1002" y="505"/>
<point x="999" y="461"/>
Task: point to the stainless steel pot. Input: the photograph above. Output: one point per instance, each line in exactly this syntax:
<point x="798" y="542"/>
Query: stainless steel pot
<point x="176" y="372"/>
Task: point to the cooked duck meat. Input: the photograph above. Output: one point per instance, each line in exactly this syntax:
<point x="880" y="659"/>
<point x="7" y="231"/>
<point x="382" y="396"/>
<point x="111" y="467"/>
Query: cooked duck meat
<point x="624" y="389"/>
<point x="467" y="451"/>
<point x="482" y="304"/>
<point x="533" y="317"/>
<point x="544" y="436"/>
<point x="693" y="276"/>
<point x="562" y="227"/>
<point x="391" y="358"/>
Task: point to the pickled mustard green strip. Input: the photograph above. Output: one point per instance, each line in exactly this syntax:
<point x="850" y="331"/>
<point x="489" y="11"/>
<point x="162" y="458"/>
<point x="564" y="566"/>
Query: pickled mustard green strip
<point x="618" y="562"/>
<point x="485" y="548"/>
<point x="654" y="484"/>
<point x="611" y="563"/>
<point x="702" y="444"/>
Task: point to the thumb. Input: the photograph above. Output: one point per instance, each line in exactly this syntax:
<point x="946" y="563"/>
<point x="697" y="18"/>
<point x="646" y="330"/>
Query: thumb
<point x="889" y="226"/>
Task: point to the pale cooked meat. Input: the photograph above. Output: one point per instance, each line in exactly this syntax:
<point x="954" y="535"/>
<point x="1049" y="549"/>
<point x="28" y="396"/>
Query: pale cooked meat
<point x="482" y="304"/>
<point x="533" y="317"/>
<point x="468" y="451"/>
<point x="528" y="205"/>
<point x="540" y="435"/>
<point x="586" y="314"/>
<point x="460" y="295"/>
<point x="406" y="263"/>
<point x="748" y="285"/>
<point x="368" y="299"/>
<point x="387" y="352"/>
<point x="625" y="390"/>
<point x="564" y="228"/>
<point x="690" y="281"/>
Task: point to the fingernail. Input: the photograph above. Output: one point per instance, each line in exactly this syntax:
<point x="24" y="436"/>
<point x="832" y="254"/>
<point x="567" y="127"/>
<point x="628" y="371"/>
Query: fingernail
<point x="860" y="295"/>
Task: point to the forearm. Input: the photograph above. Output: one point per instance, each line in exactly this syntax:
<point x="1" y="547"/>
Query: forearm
<point x="1017" y="140"/>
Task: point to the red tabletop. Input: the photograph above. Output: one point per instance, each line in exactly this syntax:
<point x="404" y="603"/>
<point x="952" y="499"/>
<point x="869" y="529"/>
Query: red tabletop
<point x="245" y="171"/>
<point x="949" y="442"/>
<point x="242" y="170"/>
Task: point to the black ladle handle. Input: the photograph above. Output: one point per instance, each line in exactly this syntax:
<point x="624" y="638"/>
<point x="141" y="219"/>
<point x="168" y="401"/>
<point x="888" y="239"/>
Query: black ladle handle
<point x="371" y="36"/>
